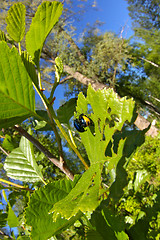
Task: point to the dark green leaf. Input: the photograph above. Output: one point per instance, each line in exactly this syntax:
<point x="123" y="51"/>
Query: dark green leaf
<point x="66" y="111"/>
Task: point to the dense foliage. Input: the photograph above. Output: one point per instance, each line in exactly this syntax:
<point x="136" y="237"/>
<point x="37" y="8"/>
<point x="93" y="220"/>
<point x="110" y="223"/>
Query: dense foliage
<point x="56" y="182"/>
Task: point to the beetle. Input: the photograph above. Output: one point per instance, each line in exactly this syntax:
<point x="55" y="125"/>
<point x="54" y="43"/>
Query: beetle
<point x="82" y="122"/>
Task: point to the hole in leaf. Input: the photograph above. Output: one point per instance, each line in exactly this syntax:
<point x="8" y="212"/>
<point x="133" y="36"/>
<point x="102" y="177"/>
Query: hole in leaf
<point x="109" y="110"/>
<point x="89" y="109"/>
<point x="108" y="152"/>
<point x="115" y="117"/>
<point x="111" y="123"/>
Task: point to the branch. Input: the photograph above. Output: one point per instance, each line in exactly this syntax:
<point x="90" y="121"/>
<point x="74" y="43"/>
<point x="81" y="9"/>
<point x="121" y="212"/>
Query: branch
<point x="3" y="151"/>
<point x="152" y="63"/>
<point x="97" y="85"/>
<point x="81" y="78"/>
<point x="60" y="164"/>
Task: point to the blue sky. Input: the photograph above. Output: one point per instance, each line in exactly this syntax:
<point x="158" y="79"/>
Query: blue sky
<point x="114" y="14"/>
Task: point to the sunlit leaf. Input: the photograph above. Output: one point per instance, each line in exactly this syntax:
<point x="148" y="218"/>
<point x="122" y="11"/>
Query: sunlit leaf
<point x="108" y="113"/>
<point x="44" y="20"/>
<point x="16" y="90"/>
<point x="41" y="202"/>
<point x="20" y="164"/>
<point x="16" y="21"/>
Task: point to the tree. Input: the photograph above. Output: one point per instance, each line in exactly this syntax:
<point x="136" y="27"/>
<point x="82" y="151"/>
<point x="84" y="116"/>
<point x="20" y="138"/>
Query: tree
<point x="93" y="196"/>
<point x="145" y="15"/>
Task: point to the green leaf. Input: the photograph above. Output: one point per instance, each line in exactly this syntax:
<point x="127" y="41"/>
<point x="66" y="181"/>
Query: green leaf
<point x="12" y="219"/>
<point x="66" y="111"/>
<point x="29" y="65"/>
<point x="108" y="114"/>
<point x="44" y="20"/>
<point x="42" y="125"/>
<point x="16" y="90"/>
<point x="59" y="68"/>
<point x="16" y="21"/>
<point x="41" y="202"/>
<point x="140" y="177"/>
<point x="20" y="164"/>
<point x="9" y="144"/>
<point x="2" y="36"/>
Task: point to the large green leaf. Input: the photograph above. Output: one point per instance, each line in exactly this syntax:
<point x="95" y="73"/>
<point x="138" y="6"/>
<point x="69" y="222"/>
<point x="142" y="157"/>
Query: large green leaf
<point x="17" y="96"/>
<point x="109" y="113"/>
<point x="20" y="164"/>
<point x="16" y="21"/>
<point x="45" y="18"/>
<point x="41" y="202"/>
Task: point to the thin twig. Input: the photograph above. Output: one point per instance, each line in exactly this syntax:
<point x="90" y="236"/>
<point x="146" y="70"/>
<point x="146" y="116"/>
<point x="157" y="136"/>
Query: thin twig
<point x="152" y="63"/>
<point x="3" y="151"/>
<point x="62" y="166"/>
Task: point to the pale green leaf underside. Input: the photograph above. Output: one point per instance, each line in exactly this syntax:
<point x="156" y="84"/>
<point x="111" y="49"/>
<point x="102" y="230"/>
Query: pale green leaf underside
<point x="16" y="90"/>
<point x="140" y="177"/>
<point x="16" y="21"/>
<point x="104" y="107"/>
<point x="45" y="18"/>
<point x="41" y="202"/>
<point x="20" y="164"/>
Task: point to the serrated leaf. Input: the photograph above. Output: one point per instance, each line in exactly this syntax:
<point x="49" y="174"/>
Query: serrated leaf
<point x="104" y="106"/>
<point x="41" y="202"/>
<point x="44" y="20"/>
<point x="20" y="164"/>
<point x="66" y="111"/>
<point x="16" y="21"/>
<point x="16" y="90"/>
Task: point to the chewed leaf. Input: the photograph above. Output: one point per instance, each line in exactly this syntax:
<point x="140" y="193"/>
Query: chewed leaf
<point x="108" y="113"/>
